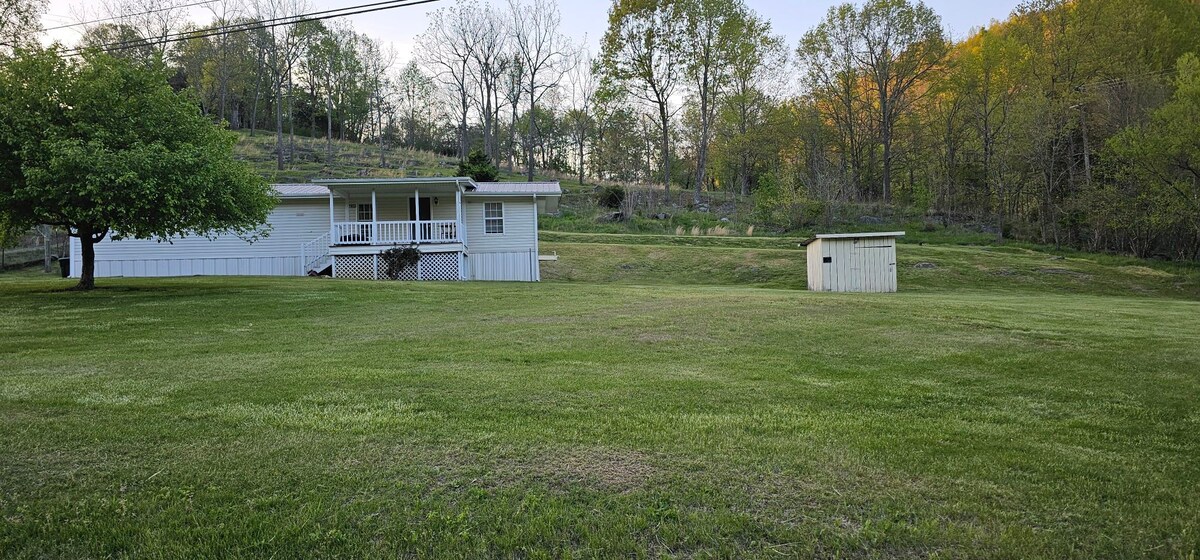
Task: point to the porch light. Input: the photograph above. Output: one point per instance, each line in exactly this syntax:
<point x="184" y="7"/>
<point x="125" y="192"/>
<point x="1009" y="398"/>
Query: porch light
<point x="435" y="201"/>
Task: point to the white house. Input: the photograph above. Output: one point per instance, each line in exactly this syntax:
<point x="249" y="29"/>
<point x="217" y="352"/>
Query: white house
<point x="852" y="262"/>
<point x="464" y="230"/>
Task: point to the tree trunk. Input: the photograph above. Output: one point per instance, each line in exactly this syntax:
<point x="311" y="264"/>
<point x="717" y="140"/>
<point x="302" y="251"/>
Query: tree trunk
<point x="744" y="174"/>
<point x="665" y="122"/>
<point x="512" y="139"/>
<point x="581" y="160"/>
<point x="291" y="120"/>
<point x="87" y="268"/>
<point x="887" y="163"/>
<point x="254" y="110"/>
<point x="328" y="130"/>
<point x="532" y="135"/>
<point x="279" y="124"/>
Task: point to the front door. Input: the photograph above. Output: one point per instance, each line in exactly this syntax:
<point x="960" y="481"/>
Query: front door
<point x="426" y="210"/>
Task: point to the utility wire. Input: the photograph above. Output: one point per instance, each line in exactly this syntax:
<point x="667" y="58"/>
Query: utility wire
<point x="257" y="24"/>
<point x="123" y="16"/>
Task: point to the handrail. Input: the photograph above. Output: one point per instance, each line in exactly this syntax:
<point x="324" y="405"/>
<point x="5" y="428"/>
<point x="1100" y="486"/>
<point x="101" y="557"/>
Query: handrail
<point x="314" y="254"/>
<point x="395" y="232"/>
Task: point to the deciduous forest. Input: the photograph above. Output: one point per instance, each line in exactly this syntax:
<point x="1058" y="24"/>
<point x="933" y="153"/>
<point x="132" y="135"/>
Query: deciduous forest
<point x="1072" y="122"/>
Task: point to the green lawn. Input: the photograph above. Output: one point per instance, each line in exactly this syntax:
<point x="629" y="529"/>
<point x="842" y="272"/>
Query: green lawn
<point x="313" y="417"/>
<point x="780" y="263"/>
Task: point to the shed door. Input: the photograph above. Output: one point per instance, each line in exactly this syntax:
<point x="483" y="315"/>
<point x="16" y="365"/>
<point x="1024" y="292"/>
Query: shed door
<point x="871" y="266"/>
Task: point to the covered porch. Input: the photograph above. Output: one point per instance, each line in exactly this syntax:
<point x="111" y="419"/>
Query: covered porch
<point x="386" y="212"/>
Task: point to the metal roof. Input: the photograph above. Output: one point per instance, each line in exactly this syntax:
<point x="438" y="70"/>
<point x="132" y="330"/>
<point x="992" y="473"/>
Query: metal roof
<point x="320" y="187"/>
<point x="496" y="188"/>
<point x="861" y="235"/>
<point x="301" y="191"/>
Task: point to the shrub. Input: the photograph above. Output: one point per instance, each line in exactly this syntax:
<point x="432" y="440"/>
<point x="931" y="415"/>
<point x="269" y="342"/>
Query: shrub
<point x="611" y="196"/>
<point x="478" y="167"/>
<point x="398" y="259"/>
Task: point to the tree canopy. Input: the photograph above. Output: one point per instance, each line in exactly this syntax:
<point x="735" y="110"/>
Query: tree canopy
<point x="104" y="147"/>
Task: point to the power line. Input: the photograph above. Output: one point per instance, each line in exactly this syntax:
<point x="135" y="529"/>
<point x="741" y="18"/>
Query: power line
<point x="259" y="24"/>
<point x="123" y="16"/>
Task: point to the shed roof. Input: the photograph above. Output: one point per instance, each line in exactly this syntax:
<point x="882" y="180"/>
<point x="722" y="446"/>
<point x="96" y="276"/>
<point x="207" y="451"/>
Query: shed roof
<point x="862" y="235"/>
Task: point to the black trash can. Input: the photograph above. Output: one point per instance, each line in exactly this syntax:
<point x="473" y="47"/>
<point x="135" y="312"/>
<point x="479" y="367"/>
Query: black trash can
<point x="64" y="266"/>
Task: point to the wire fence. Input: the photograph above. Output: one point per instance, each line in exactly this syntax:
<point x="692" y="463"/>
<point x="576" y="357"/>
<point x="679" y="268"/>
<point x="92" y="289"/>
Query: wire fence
<point x="37" y="246"/>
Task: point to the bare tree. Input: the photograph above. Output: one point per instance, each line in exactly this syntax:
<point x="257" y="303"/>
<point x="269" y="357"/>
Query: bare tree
<point x="415" y="91"/>
<point x="543" y="51"/>
<point x="489" y="66"/>
<point x="20" y="22"/>
<point x="513" y="84"/>
<point x="902" y="44"/>
<point x="224" y="12"/>
<point x="581" y="85"/>
<point x="154" y="21"/>
<point x="282" y="50"/>
<point x="826" y="57"/>
<point x="447" y="49"/>
<point x="377" y="63"/>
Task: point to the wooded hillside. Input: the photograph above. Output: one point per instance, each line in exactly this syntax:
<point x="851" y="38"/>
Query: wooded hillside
<point x="1072" y="122"/>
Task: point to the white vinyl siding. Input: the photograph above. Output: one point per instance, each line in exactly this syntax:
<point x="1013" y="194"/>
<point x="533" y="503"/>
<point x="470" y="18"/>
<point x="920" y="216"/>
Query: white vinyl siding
<point x="520" y="225"/>
<point x="510" y="256"/>
<point x="292" y="223"/>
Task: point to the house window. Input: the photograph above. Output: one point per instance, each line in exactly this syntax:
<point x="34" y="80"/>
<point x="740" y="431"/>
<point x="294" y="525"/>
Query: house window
<point x="493" y="217"/>
<point x="364" y="213"/>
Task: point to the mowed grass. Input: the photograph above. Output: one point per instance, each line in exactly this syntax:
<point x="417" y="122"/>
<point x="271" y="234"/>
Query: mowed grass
<point x="224" y="417"/>
<point x="779" y="262"/>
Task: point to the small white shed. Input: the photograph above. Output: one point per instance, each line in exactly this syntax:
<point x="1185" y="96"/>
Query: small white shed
<point x="852" y="262"/>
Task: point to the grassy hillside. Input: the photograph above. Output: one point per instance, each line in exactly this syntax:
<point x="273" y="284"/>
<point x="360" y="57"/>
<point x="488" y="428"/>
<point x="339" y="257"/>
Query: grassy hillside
<point x="351" y="160"/>
<point x="780" y="263"/>
<point x="297" y="418"/>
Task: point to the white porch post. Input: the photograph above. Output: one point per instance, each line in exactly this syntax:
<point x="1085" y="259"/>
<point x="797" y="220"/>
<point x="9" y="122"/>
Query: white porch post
<point x="374" y="219"/>
<point x="332" y="233"/>
<point x="417" y="217"/>
<point x="458" y="214"/>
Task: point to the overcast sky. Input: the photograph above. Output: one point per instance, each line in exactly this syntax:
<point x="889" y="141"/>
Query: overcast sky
<point x="580" y="18"/>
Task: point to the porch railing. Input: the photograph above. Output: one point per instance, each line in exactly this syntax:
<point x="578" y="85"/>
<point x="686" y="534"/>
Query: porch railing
<point x="398" y="233"/>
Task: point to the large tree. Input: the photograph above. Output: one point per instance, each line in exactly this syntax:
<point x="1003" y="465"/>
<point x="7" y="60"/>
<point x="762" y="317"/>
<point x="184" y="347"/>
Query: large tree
<point x="902" y="43"/>
<point x="642" y="56"/>
<point x="104" y="147"/>
<point x="543" y="52"/>
<point x="1156" y="171"/>
<point x="714" y="27"/>
<point x="447" y="48"/>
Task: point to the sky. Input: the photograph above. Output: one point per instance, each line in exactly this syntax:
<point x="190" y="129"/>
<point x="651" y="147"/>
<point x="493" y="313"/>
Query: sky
<point x="580" y="18"/>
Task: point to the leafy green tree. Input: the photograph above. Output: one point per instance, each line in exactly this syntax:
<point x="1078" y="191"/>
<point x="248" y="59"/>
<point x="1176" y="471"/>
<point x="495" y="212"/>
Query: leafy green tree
<point x="1158" y="165"/>
<point x="104" y="147"/>
<point x="755" y="55"/>
<point x="478" y="166"/>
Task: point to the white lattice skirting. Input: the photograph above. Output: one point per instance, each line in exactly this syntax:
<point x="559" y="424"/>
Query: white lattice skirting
<point x="432" y="266"/>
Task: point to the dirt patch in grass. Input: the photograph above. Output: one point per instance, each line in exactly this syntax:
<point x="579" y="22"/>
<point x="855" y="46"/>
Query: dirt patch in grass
<point x="603" y="468"/>
<point x="654" y="337"/>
